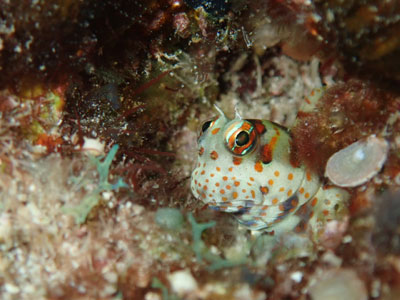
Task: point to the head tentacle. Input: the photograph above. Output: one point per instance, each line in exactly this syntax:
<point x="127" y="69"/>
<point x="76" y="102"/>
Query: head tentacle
<point x="219" y="110"/>
<point x="237" y="114"/>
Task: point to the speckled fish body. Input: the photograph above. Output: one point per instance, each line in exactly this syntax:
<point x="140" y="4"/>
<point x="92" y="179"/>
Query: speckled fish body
<point x="244" y="168"/>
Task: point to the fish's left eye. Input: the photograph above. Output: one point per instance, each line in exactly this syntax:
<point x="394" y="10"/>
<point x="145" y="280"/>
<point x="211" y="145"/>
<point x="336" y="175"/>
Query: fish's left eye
<point x="241" y="137"/>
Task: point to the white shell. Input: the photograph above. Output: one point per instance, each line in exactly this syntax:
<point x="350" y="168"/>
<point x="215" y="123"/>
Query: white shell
<point x="357" y="163"/>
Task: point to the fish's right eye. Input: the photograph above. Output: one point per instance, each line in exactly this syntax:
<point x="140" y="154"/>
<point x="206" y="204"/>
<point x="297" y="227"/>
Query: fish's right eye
<point x="206" y="125"/>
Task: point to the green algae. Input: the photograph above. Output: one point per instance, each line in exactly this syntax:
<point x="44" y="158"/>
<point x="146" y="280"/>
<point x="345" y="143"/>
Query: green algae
<point x="203" y="253"/>
<point x="157" y="284"/>
<point x="82" y="210"/>
<point x="170" y="218"/>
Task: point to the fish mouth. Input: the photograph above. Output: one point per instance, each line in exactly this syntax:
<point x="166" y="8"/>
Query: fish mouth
<point x="237" y="210"/>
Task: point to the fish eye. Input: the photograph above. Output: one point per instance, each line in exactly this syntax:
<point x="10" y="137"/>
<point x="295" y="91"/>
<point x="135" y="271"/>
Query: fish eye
<point x="241" y="137"/>
<point x="206" y="125"/>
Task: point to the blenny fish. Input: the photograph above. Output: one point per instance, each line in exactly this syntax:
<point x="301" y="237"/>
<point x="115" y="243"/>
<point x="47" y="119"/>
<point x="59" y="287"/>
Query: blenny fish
<point x="244" y="168"/>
